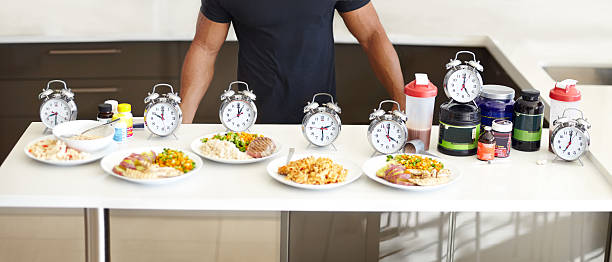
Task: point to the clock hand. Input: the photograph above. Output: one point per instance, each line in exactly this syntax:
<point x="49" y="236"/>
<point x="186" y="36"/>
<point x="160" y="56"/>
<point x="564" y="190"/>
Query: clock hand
<point x="158" y="116"/>
<point x="322" y="134"/>
<point x="52" y="114"/>
<point x="570" y="141"/>
<point x="464" y="78"/>
<point x="239" y="111"/>
<point x="56" y="118"/>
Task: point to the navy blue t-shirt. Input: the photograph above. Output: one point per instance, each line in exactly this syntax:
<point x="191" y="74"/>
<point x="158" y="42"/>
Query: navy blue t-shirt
<point x="286" y="50"/>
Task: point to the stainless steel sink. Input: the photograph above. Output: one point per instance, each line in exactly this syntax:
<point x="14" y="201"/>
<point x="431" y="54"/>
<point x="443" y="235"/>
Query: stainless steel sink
<point x="584" y="75"/>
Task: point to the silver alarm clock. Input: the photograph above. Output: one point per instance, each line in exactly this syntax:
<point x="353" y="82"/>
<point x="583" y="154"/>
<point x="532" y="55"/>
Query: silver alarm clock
<point x="238" y="111"/>
<point x="570" y="138"/>
<point x="162" y="114"/>
<point x="57" y="105"/>
<point x="463" y="82"/>
<point x="321" y="125"/>
<point x="387" y="132"/>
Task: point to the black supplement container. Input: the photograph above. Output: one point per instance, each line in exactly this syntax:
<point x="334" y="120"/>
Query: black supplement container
<point x="459" y="129"/>
<point x="528" y="121"/>
<point x="105" y="113"/>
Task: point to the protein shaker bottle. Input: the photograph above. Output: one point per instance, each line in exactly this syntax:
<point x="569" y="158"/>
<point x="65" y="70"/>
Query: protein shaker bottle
<point x="420" y="99"/>
<point x="565" y="95"/>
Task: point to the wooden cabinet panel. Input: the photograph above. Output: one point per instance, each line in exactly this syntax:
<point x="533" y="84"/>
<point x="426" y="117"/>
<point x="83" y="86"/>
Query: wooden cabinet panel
<point x="89" y="60"/>
<point x="88" y="94"/>
<point x="10" y="132"/>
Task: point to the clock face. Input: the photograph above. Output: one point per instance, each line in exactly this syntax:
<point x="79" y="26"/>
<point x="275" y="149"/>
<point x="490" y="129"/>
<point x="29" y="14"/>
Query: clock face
<point x="54" y="112"/>
<point x="321" y="129"/>
<point x="569" y="143"/>
<point x="388" y="137"/>
<point x="162" y="119"/>
<point x="238" y="115"/>
<point x="463" y="85"/>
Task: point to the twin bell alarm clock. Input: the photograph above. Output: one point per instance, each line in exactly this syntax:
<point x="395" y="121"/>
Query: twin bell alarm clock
<point x="463" y="82"/>
<point x="387" y="132"/>
<point x="238" y="111"/>
<point x="57" y="105"/>
<point x="321" y="124"/>
<point x="570" y="138"/>
<point x="162" y="113"/>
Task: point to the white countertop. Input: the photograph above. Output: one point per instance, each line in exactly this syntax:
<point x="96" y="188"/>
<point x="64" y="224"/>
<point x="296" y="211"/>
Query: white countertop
<point x="513" y="184"/>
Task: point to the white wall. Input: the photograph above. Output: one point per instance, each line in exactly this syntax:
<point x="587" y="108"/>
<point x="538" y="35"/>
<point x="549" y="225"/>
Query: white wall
<point x="504" y="19"/>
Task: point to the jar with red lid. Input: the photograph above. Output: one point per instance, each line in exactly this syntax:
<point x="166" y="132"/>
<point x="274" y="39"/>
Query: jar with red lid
<point x="420" y="100"/>
<point x="565" y="95"/>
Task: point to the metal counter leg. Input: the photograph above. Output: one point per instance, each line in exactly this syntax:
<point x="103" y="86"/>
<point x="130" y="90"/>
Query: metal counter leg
<point x="284" y="237"/>
<point x="608" y="247"/>
<point x="450" y="252"/>
<point x="94" y="235"/>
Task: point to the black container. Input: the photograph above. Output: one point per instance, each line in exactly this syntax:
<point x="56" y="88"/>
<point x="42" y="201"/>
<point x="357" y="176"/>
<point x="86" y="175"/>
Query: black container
<point x="528" y="121"/>
<point x="459" y="129"/>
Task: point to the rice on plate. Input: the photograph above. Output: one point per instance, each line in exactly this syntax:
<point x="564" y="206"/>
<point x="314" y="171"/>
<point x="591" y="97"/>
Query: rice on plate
<point x="222" y="149"/>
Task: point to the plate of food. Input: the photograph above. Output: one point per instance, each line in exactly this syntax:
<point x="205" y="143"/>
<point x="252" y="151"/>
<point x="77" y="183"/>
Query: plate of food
<point x="151" y="165"/>
<point x="50" y="150"/>
<point x="414" y="172"/>
<point x="314" y="171"/>
<point x="235" y="147"/>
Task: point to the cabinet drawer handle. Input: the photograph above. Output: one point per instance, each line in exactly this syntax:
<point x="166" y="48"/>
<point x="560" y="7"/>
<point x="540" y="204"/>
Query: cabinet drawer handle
<point x="95" y="90"/>
<point x="85" y="52"/>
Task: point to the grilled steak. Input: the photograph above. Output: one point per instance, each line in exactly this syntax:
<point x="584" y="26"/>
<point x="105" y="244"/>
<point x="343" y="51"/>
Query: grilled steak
<point x="261" y="147"/>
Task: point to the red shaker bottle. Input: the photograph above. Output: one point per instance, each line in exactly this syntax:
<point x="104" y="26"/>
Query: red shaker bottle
<point x="420" y="100"/>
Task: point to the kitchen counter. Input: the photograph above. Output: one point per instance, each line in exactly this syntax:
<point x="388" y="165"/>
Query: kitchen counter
<point x="513" y="184"/>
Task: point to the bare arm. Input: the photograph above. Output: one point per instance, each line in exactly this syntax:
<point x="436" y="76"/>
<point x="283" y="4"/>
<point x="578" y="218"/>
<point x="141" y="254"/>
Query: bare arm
<point x="366" y="27"/>
<point x="199" y="64"/>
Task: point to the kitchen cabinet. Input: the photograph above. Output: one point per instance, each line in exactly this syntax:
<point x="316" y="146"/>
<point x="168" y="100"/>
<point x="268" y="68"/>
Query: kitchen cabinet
<point x="41" y="234"/>
<point x="10" y="132"/>
<point x="89" y="60"/>
<point x="125" y="71"/>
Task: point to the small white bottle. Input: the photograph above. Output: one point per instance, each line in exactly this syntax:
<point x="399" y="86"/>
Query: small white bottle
<point x="113" y="103"/>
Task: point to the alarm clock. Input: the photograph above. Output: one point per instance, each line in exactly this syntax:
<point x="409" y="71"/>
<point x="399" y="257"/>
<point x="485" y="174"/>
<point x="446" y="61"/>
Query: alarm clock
<point x="57" y="105"/>
<point x="238" y="111"/>
<point x="321" y="124"/>
<point x="463" y="82"/>
<point x="162" y="115"/>
<point x="387" y="132"/>
<point x="570" y="137"/>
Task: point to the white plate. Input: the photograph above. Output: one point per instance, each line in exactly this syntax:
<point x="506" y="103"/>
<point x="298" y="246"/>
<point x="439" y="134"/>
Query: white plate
<point x="114" y="159"/>
<point x="196" y="144"/>
<point x="354" y="172"/>
<point x="92" y="156"/>
<point x="374" y="164"/>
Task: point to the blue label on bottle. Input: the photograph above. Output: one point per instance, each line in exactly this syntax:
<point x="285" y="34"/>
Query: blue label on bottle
<point x="120" y="134"/>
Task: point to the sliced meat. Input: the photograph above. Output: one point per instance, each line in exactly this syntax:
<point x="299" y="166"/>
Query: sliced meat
<point x="261" y="147"/>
